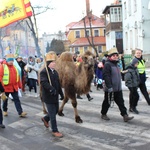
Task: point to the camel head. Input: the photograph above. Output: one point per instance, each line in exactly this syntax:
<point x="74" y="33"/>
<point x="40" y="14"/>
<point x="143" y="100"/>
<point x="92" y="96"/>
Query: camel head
<point x="85" y="72"/>
<point x="88" y="59"/>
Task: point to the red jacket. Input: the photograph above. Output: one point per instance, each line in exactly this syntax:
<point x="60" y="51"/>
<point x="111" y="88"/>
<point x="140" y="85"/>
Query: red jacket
<point x="13" y="84"/>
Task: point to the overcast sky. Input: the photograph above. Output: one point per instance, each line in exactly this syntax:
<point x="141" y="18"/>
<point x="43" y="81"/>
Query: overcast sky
<point x="65" y="12"/>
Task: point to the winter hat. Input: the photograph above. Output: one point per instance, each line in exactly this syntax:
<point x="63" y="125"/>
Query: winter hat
<point x="112" y="51"/>
<point x="51" y="56"/>
<point x="134" y="61"/>
<point x="10" y="57"/>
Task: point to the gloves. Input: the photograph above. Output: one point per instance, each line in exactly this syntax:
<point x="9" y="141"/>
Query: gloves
<point x="110" y="90"/>
<point x="3" y="96"/>
<point x="53" y="91"/>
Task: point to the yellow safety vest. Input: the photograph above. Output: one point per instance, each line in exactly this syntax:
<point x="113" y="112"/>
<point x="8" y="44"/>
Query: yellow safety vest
<point x="6" y="75"/>
<point x="141" y="67"/>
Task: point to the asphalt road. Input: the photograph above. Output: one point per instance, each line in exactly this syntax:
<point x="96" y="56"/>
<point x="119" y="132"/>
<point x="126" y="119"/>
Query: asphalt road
<point x="93" y="134"/>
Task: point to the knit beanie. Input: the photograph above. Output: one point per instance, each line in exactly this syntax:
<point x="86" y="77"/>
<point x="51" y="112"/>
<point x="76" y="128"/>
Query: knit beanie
<point x="134" y="61"/>
<point x="9" y="59"/>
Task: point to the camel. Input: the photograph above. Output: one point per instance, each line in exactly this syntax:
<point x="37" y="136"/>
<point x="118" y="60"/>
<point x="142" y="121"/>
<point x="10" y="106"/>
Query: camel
<point x="74" y="80"/>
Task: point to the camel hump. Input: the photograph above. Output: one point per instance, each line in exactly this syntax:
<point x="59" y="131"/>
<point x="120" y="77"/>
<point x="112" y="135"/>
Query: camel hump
<point x="66" y="56"/>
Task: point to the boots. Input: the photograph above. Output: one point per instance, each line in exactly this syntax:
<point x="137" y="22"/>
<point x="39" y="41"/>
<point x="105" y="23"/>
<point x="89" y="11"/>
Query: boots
<point x="79" y="97"/>
<point x="5" y="113"/>
<point x="105" y="117"/>
<point x="23" y="114"/>
<point x="57" y="134"/>
<point x="126" y="118"/>
<point x="98" y="88"/>
<point x="134" y="110"/>
<point x="89" y="97"/>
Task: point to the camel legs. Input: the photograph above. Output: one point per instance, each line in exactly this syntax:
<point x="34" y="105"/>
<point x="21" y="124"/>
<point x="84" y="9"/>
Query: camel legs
<point x="60" y="112"/>
<point x="74" y="104"/>
<point x="77" y="117"/>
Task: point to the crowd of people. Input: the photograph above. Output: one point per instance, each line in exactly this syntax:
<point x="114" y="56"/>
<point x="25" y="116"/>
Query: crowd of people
<point x="109" y="73"/>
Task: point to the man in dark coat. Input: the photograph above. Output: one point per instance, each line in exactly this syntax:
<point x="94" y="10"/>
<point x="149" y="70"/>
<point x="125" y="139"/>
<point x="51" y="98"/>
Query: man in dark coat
<point x="51" y="89"/>
<point x="113" y="87"/>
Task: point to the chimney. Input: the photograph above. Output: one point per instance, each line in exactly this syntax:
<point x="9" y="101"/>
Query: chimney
<point x="87" y="7"/>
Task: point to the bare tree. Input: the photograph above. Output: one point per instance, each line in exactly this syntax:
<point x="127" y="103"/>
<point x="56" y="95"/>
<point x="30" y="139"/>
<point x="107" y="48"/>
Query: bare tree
<point x="33" y="26"/>
<point x="90" y="38"/>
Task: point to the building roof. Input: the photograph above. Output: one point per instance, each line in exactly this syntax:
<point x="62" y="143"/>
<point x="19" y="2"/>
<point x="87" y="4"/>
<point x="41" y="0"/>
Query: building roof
<point x="95" y="22"/>
<point x="106" y="10"/>
<point x="84" y="42"/>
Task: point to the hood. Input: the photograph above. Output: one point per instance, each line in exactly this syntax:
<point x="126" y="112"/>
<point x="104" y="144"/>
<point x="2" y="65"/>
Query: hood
<point x="31" y="62"/>
<point x="131" y="67"/>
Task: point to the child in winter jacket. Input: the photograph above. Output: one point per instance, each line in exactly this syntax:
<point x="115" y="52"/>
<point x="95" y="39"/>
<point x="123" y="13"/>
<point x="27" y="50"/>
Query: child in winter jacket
<point x="132" y="81"/>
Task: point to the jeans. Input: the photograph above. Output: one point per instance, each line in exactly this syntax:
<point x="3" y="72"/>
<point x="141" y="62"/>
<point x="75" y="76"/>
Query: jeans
<point x="51" y="116"/>
<point x="16" y="102"/>
<point x="118" y="98"/>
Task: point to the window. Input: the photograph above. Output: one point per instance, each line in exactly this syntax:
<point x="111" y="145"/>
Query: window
<point x="135" y="5"/>
<point x="131" y="38"/>
<point x="77" y="34"/>
<point x="129" y="5"/>
<point x="104" y="32"/>
<point x="99" y="49"/>
<point x="76" y="50"/>
<point x="119" y="35"/>
<point x="136" y="37"/>
<point x="88" y="33"/>
<point x="96" y="33"/>
<point x="126" y="38"/>
<point x="116" y="14"/>
<point x="125" y="10"/>
<point x="85" y="48"/>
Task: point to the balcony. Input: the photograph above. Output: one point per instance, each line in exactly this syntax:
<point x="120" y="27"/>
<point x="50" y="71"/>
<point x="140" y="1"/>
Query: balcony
<point x="113" y="26"/>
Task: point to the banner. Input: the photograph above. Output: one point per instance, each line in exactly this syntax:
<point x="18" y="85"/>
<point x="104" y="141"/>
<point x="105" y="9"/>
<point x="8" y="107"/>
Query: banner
<point x="14" y="10"/>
